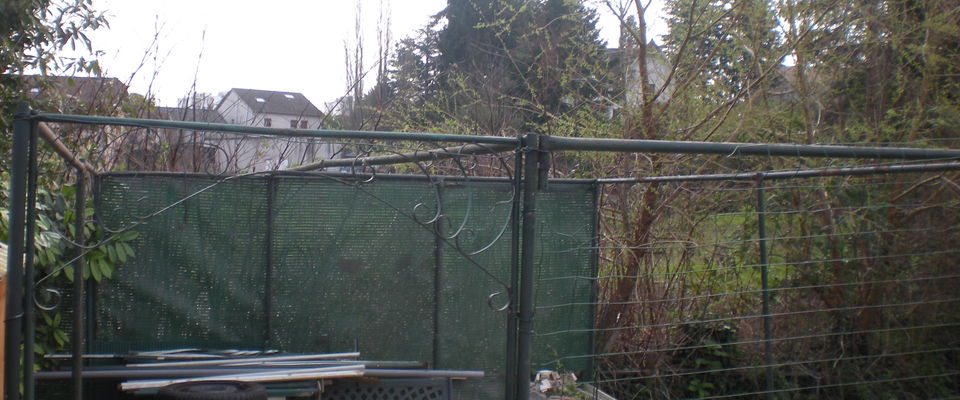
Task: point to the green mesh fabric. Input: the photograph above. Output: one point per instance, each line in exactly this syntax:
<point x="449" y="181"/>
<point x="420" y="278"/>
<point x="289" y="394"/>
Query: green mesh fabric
<point x="565" y="268"/>
<point x="350" y="270"/>
<point x="308" y="263"/>
<point x="197" y="279"/>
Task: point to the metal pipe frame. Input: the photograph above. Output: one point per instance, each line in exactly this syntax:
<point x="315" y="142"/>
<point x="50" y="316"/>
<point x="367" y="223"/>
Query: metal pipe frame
<point x="47" y="134"/>
<point x="20" y="165"/>
<point x="765" y="287"/>
<point x="415" y="156"/>
<point x="531" y="185"/>
<point x="795" y="174"/>
<point x="549" y="143"/>
<point x="510" y="371"/>
<point x="256" y="130"/>
<point x="741" y="176"/>
<point x="79" y="221"/>
<point x="554" y="143"/>
<point x="29" y="292"/>
<point x="533" y="145"/>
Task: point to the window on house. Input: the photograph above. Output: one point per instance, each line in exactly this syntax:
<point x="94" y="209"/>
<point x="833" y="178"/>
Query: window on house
<point x="267" y="122"/>
<point x="293" y="123"/>
<point x="303" y="124"/>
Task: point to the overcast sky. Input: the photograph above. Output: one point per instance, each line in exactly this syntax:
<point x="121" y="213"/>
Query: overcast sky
<point x="282" y="45"/>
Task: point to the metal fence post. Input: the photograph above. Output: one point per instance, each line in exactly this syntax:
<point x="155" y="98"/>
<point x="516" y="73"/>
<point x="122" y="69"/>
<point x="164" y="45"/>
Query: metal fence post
<point x="764" y="278"/>
<point x="510" y="372"/>
<point x="29" y="313"/>
<point x="18" y="208"/>
<point x="531" y="184"/>
<point x="79" y="208"/>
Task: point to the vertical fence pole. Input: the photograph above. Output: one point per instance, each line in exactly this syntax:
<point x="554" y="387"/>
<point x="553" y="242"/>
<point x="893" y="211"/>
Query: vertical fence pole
<point x="13" y="324"/>
<point x="531" y="184"/>
<point x="511" y="369"/>
<point x="29" y="313"/>
<point x="79" y="212"/>
<point x="764" y="278"/>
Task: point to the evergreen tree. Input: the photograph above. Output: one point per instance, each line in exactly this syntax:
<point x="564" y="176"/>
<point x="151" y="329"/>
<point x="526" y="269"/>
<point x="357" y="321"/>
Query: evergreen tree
<point x="480" y="34"/>
<point x="509" y="63"/>
<point x="568" y="64"/>
<point x="722" y="44"/>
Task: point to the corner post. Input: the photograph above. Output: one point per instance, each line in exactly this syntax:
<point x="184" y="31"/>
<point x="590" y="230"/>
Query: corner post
<point x="29" y="311"/>
<point x="510" y="372"/>
<point x="79" y="220"/>
<point x="13" y="325"/>
<point x="531" y="185"/>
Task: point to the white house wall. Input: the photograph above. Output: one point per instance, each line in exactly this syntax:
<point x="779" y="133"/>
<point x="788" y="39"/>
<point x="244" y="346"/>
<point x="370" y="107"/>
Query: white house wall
<point x="235" y="111"/>
<point x="245" y="153"/>
<point x="658" y="69"/>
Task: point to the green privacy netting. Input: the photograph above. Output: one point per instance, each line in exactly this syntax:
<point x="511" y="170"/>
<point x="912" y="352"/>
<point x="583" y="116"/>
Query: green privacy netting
<point x="313" y="263"/>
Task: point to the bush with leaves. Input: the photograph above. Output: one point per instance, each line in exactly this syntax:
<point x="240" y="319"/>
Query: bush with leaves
<point x="54" y="253"/>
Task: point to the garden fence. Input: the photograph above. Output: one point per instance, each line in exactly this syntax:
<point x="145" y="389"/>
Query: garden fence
<point x="697" y="270"/>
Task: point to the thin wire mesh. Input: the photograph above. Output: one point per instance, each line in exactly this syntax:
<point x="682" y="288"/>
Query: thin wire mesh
<point x="862" y="277"/>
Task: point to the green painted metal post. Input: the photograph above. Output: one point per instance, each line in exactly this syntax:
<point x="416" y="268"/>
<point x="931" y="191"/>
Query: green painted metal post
<point x="79" y="207"/>
<point x="29" y="313"/>
<point x="511" y="368"/>
<point x="765" y="282"/>
<point x="531" y="184"/>
<point x="18" y="210"/>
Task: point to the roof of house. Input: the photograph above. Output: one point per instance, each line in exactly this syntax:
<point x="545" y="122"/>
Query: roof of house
<point x="284" y="103"/>
<point x="191" y="114"/>
<point x="86" y="90"/>
<point x="617" y="54"/>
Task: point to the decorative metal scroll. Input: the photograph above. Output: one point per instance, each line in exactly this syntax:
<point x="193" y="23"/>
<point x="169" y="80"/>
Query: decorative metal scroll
<point x="465" y="164"/>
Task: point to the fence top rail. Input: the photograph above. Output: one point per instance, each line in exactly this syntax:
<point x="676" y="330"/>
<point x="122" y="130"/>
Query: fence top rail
<point x="792" y="174"/>
<point x="554" y="143"/>
<point x="256" y="130"/>
<point x="549" y="143"/>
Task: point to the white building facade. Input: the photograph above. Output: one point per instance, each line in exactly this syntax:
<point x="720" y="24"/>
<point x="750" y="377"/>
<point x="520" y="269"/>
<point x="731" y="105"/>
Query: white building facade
<point x="283" y="110"/>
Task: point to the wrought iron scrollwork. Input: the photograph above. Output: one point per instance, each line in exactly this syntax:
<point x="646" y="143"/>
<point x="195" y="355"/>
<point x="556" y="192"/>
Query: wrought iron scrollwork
<point x="55" y="294"/>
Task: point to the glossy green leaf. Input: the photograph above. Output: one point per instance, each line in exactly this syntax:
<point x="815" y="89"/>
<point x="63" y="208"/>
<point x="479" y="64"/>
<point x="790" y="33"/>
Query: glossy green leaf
<point x="95" y="270"/>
